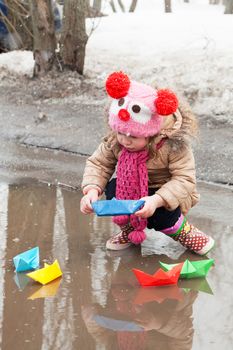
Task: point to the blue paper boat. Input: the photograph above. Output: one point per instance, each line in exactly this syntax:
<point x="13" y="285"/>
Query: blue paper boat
<point x="116" y="207"/>
<point x="29" y="260"/>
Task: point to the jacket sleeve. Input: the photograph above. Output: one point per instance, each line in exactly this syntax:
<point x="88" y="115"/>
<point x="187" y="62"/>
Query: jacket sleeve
<point x="179" y="189"/>
<point x="99" y="168"/>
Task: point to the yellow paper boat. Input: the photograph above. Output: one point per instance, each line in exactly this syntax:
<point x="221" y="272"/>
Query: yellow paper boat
<point x="46" y="291"/>
<point x="46" y="274"/>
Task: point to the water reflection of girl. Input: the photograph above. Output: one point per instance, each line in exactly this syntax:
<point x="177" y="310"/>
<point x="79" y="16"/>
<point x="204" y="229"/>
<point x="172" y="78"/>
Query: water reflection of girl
<point x="128" y="323"/>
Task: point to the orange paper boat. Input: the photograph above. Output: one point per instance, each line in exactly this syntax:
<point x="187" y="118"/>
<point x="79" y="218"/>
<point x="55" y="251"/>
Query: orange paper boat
<point x="160" y="277"/>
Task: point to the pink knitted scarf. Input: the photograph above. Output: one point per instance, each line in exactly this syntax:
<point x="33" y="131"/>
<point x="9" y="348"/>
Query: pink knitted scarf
<point x="132" y="183"/>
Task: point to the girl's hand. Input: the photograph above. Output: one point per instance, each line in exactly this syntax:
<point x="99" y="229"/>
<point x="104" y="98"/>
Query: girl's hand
<point x="85" y="203"/>
<point x="148" y="321"/>
<point x="151" y="204"/>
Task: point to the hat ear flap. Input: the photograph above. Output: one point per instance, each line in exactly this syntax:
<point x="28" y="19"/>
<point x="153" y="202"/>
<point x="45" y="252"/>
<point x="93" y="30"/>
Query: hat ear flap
<point x="117" y="85"/>
<point x="166" y="102"/>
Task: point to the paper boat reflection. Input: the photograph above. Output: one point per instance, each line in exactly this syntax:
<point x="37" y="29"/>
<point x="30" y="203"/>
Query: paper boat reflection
<point x="117" y="325"/>
<point x="21" y="280"/>
<point x="197" y="284"/>
<point x="50" y="290"/>
<point x="158" y="294"/>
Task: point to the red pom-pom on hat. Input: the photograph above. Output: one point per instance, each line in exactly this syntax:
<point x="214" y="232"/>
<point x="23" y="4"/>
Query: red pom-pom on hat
<point x="166" y="102"/>
<point x="117" y="85"/>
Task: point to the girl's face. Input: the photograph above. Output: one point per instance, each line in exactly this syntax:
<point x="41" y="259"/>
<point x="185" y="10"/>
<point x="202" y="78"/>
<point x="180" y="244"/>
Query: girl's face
<point x="131" y="143"/>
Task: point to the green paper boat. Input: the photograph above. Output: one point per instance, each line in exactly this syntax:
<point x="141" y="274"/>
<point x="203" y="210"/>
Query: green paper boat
<point x="191" y="269"/>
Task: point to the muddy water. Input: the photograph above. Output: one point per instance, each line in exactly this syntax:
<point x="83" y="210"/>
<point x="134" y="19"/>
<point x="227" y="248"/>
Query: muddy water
<point x="97" y="304"/>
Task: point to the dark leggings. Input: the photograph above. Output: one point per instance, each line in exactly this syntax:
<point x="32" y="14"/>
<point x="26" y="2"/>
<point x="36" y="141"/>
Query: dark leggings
<point x="161" y="219"/>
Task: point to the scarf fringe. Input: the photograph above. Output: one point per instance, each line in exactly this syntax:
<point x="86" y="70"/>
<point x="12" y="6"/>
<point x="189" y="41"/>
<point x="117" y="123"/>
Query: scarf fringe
<point x="137" y="236"/>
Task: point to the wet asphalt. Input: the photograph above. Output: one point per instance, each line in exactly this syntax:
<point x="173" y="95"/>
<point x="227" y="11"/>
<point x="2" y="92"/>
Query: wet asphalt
<point x="98" y="303"/>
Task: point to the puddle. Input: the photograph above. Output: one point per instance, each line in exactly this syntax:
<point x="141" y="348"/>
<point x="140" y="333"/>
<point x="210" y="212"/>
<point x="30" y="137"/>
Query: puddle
<point x="98" y="304"/>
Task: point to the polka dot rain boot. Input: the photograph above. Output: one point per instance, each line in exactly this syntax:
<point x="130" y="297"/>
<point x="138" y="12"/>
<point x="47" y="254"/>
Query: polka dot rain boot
<point x="190" y="237"/>
<point x="120" y="241"/>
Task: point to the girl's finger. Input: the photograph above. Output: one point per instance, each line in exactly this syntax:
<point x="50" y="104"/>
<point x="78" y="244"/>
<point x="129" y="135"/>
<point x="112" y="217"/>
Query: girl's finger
<point x="87" y="211"/>
<point x="140" y="212"/>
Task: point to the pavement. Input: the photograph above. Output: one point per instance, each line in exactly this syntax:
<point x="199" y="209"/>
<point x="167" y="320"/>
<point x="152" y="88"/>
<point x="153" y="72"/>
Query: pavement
<point x="77" y="129"/>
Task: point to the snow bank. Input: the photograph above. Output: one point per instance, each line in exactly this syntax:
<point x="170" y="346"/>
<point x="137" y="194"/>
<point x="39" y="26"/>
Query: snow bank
<point x="20" y="62"/>
<point x="190" y="50"/>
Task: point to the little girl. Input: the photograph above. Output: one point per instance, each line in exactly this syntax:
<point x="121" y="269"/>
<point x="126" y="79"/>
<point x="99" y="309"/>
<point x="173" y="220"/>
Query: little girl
<point x="150" y="144"/>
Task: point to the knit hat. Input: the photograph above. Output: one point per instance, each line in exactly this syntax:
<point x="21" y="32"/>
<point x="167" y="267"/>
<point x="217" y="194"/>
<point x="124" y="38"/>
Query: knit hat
<point x="137" y="109"/>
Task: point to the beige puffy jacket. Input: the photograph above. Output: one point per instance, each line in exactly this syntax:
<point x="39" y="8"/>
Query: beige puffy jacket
<point x="171" y="167"/>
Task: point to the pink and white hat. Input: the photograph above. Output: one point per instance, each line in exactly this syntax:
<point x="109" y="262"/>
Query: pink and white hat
<point x="137" y="109"/>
